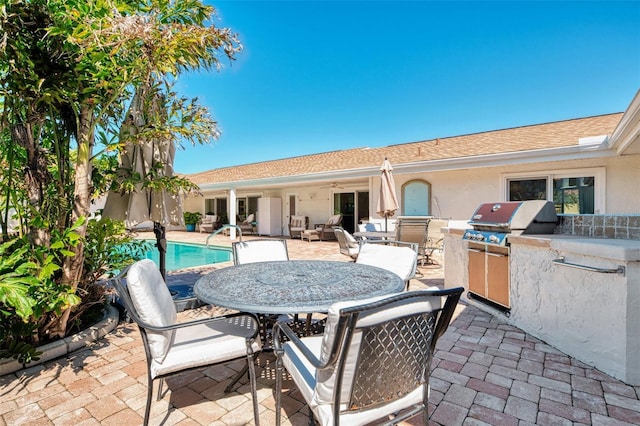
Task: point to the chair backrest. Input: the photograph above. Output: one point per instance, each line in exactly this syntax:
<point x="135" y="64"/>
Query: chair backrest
<point x="398" y="257"/>
<point x="348" y="245"/>
<point x="249" y="219"/>
<point x="259" y="251"/>
<point x="149" y="303"/>
<point x="298" y="222"/>
<point x="210" y="218"/>
<point x="334" y="220"/>
<point x="413" y="232"/>
<point x="380" y="350"/>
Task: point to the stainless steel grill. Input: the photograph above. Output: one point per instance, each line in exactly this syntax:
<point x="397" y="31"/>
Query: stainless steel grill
<point x="494" y="222"/>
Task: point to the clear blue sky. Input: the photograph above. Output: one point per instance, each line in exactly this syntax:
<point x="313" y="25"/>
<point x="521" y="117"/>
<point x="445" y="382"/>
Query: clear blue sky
<point x="324" y="76"/>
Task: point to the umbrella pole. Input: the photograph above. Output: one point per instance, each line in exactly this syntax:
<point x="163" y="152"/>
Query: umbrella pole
<point x="385" y="223"/>
<point x="161" y="243"/>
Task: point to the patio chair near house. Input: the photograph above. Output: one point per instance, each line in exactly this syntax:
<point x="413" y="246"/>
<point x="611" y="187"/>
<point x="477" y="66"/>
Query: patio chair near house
<point x="373" y="361"/>
<point x="435" y="238"/>
<point x="172" y="347"/>
<point x="348" y="245"/>
<point x="259" y="251"/>
<point x="298" y="224"/>
<point x="398" y="257"/>
<point x="325" y="230"/>
<point x="414" y="231"/>
<point x="209" y="223"/>
<point x="246" y="226"/>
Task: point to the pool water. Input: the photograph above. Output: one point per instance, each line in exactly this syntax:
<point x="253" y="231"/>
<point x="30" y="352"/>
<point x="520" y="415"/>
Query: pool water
<point x="182" y="255"/>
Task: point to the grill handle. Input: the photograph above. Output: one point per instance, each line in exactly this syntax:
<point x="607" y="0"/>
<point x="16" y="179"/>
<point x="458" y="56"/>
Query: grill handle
<point x="620" y="270"/>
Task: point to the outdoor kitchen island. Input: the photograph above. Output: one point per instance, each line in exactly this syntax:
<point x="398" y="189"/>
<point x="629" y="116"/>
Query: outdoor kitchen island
<point x="578" y="294"/>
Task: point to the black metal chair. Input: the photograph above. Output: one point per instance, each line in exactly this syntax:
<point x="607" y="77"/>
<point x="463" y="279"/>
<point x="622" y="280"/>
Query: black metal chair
<point x="172" y="347"/>
<point x="372" y="363"/>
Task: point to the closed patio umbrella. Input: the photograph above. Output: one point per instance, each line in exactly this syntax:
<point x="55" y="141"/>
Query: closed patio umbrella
<point x="387" y="201"/>
<point x="147" y="161"/>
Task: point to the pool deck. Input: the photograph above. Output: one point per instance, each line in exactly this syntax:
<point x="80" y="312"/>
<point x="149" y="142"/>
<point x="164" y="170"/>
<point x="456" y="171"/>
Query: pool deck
<point x="484" y="372"/>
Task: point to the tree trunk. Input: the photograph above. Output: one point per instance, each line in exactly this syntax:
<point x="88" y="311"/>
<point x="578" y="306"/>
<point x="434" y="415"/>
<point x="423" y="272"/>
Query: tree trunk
<point x="36" y="177"/>
<point x="73" y="265"/>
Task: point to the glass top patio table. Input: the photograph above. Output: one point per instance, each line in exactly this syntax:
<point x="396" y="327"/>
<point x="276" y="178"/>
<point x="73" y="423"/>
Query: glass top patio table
<point x="294" y="286"/>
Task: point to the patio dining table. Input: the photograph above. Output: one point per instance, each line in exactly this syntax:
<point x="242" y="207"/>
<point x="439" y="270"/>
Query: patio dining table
<point x="381" y="235"/>
<point x="294" y="286"/>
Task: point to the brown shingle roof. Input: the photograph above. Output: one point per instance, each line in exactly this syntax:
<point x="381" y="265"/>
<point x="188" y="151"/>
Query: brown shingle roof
<point x="541" y="136"/>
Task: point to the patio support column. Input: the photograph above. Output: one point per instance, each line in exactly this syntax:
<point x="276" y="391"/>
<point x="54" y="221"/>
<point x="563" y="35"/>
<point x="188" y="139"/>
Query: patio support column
<point x="232" y="213"/>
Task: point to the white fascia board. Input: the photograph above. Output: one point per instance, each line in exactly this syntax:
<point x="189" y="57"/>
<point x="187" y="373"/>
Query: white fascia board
<point x="577" y="152"/>
<point x="508" y="159"/>
<point x="310" y="178"/>
<point x="627" y="132"/>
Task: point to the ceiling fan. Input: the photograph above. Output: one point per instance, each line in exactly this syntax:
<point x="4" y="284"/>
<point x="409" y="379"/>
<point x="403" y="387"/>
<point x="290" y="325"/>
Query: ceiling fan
<point x="332" y="185"/>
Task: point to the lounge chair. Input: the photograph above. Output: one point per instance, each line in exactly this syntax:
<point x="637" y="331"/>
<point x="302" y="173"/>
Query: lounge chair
<point x="414" y="231"/>
<point x="246" y="226"/>
<point x="210" y="222"/>
<point x="372" y="364"/>
<point x="348" y="245"/>
<point x="325" y="230"/>
<point x="297" y="224"/>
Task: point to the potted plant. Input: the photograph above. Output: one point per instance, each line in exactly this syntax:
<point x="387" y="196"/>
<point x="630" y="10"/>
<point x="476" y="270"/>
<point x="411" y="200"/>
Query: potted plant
<point x="191" y="219"/>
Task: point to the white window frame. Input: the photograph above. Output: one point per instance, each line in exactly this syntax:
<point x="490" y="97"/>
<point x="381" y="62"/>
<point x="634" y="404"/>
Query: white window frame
<point x="599" y="186"/>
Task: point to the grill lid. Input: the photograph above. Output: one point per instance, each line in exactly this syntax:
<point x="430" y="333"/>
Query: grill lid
<point x="531" y="215"/>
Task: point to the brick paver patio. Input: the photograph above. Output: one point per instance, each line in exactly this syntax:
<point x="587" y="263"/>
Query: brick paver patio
<point x="484" y="372"/>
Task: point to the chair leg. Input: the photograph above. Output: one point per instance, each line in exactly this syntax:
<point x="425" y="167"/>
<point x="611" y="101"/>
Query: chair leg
<point x="254" y="385"/>
<point x="279" y="373"/>
<point x="147" y="408"/>
<point x="237" y="377"/>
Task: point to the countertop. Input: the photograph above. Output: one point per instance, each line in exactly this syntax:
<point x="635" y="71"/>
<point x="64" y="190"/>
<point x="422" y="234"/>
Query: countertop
<point x="624" y="250"/>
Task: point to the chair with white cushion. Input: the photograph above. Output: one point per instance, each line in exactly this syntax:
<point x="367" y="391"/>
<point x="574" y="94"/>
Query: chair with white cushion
<point x="298" y="224"/>
<point x="209" y="223"/>
<point x="373" y="361"/>
<point x="246" y="226"/>
<point x="259" y="251"/>
<point x="172" y="347"/>
<point x="399" y="257"/>
<point x="348" y="245"/>
<point x="325" y="230"/>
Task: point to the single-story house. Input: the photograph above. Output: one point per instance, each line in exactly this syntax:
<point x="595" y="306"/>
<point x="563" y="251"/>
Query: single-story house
<point x="587" y="165"/>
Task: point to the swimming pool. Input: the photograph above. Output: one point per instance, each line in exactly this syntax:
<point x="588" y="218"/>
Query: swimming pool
<point x="182" y="255"/>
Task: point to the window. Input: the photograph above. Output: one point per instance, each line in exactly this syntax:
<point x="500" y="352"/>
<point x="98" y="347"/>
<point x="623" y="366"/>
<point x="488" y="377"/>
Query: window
<point x="572" y="191"/>
<point x="416" y="197"/>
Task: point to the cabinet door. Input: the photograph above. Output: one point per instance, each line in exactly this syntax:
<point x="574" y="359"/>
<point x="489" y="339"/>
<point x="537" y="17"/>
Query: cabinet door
<point x="477" y="272"/>
<point x="498" y="278"/>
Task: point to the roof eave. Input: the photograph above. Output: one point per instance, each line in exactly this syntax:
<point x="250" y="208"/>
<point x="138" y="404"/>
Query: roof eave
<point x="625" y="139"/>
<point x="577" y="152"/>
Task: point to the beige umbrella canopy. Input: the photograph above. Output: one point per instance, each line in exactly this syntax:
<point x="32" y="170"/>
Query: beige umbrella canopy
<point x="388" y="200"/>
<point x="145" y="162"/>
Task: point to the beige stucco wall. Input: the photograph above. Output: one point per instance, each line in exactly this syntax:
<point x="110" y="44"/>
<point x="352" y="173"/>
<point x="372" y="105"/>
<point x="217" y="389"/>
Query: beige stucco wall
<point x="457" y="193"/>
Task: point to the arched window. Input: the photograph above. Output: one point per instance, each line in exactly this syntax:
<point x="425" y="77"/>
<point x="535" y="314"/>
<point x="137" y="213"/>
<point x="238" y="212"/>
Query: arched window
<point x="416" y="198"/>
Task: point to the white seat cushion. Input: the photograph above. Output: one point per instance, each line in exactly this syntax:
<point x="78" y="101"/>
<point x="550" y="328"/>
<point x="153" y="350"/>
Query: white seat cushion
<point x="259" y="251"/>
<point x="205" y="344"/>
<point x="153" y="303"/>
<point x="399" y="260"/>
<point x="317" y="387"/>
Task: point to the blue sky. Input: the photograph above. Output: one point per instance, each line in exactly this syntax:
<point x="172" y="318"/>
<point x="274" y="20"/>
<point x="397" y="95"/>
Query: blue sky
<point x="324" y="76"/>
